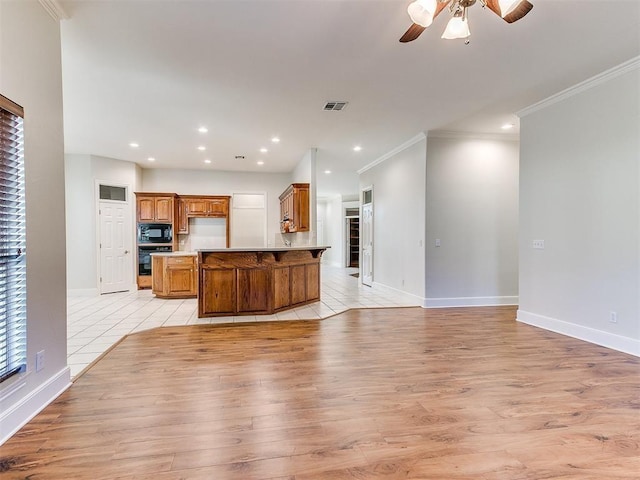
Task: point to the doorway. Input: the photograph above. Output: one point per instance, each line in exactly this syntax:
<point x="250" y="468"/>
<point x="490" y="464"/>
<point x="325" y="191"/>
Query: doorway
<point x="115" y="240"/>
<point x="352" y="219"/>
<point x="366" y="233"/>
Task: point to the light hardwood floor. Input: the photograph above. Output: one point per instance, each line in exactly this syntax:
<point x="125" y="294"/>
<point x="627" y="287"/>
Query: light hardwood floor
<point x="390" y="394"/>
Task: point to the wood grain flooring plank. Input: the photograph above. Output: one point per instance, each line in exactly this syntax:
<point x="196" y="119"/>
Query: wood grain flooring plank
<point x="374" y="394"/>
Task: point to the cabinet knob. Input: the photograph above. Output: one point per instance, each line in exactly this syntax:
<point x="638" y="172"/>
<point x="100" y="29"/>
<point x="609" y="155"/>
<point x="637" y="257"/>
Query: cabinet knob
<point x="126" y="251"/>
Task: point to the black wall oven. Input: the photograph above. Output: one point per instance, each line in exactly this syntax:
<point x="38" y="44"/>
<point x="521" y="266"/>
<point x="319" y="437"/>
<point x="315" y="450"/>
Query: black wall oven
<point x="155" y="233"/>
<point x="144" y="258"/>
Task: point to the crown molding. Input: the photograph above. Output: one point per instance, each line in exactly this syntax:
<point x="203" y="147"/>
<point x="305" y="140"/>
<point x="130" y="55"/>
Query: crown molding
<point x="594" y="81"/>
<point x="54" y="9"/>
<point x="395" y="151"/>
<point x="503" y="137"/>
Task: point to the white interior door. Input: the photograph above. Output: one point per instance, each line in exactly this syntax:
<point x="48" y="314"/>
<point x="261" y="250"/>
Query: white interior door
<point x="366" y="239"/>
<point x="116" y="266"/>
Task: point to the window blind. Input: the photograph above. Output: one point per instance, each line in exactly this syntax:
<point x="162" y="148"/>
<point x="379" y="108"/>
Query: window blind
<point x="13" y="317"/>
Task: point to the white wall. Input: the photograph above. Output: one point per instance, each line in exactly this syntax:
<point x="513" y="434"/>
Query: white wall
<point x="330" y="214"/>
<point x="31" y="76"/>
<point x="472" y="208"/>
<point x="579" y="192"/>
<point x="81" y="174"/>
<point x="202" y="182"/>
<point x="399" y="219"/>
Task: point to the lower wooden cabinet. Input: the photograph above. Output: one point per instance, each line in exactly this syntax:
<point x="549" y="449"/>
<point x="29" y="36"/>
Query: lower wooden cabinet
<point x="174" y="276"/>
<point x="253" y="290"/>
<point x="281" y="288"/>
<point x="245" y="283"/>
<point x="218" y="287"/>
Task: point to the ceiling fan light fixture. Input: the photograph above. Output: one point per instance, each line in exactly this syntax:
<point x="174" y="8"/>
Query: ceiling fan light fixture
<point x="458" y="27"/>
<point x="421" y="12"/>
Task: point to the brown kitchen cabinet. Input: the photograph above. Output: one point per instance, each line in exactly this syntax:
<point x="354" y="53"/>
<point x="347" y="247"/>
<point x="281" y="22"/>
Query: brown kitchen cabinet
<point x="246" y="282"/>
<point x="156" y="207"/>
<point x="183" y="219"/>
<point x="294" y="206"/>
<point x="220" y="287"/>
<point x="198" y="206"/>
<point x="174" y="276"/>
<point x="217" y="206"/>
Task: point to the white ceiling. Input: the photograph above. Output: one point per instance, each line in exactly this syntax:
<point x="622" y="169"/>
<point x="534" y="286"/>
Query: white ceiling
<point x="154" y="71"/>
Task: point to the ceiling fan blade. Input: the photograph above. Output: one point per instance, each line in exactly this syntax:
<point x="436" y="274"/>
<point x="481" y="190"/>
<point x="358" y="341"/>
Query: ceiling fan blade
<point x="516" y="14"/>
<point x="412" y="33"/>
<point x="415" y="30"/>
<point x="520" y="11"/>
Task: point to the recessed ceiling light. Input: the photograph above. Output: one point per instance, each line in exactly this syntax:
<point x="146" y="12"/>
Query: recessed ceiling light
<point x="260" y="162"/>
<point x="275" y="140"/>
<point x="151" y="159"/>
<point x="357" y="148"/>
<point x="508" y="126"/>
<point x="134" y="145"/>
<point x="264" y="150"/>
<point x="327" y="172"/>
<point x="202" y="148"/>
<point x="207" y="161"/>
<point x="203" y="129"/>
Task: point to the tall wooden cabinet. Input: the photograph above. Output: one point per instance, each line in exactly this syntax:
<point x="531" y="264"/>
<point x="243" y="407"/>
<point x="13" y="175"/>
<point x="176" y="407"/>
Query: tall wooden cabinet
<point x="294" y="208"/>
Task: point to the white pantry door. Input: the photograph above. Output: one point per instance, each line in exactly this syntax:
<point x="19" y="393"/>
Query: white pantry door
<point x="116" y="268"/>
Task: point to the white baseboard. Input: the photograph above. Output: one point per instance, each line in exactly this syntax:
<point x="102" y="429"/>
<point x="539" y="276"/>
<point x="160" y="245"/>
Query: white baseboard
<point x="470" y="302"/>
<point x="14" y="418"/>
<point x="94" y="292"/>
<point x="82" y="292"/>
<point x="419" y="300"/>
<point x="588" y="334"/>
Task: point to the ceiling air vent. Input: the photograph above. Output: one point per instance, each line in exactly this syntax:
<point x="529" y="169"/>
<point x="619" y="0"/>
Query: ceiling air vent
<point x="335" y="106"/>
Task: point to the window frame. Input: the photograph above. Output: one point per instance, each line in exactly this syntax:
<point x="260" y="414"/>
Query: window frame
<point x="13" y="296"/>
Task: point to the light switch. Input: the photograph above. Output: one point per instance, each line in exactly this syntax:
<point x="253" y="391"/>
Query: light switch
<point x="437" y="242"/>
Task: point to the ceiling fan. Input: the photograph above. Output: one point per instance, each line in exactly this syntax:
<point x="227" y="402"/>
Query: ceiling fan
<point x="423" y="12"/>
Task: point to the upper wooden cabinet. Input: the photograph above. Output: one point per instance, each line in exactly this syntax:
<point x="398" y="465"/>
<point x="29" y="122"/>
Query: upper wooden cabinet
<point x="199" y="206"/>
<point x="294" y="208"/>
<point x="217" y="206"/>
<point x="156" y="207"/>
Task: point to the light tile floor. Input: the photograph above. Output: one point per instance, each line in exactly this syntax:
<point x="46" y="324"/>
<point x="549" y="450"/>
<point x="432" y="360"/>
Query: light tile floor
<point x="95" y="323"/>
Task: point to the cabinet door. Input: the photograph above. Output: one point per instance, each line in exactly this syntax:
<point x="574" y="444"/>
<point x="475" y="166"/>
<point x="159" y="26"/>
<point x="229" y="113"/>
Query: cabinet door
<point x="146" y="209"/>
<point x="313" y="281"/>
<point x="281" y="286"/>
<point x="298" y="280"/>
<point x="183" y="219"/>
<point x="301" y="209"/>
<point x="181" y="280"/>
<point x="217" y="290"/>
<point x="196" y="206"/>
<point x="217" y="208"/>
<point x="253" y="290"/>
<point x="164" y="210"/>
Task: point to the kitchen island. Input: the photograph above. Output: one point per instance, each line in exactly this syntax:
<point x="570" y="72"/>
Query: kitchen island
<point x="257" y="281"/>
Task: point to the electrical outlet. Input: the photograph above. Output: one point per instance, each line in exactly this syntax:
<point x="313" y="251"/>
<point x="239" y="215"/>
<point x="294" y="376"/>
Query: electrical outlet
<point x="39" y="360"/>
<point x="538" y="244"/>
<point x="613" y="317"/>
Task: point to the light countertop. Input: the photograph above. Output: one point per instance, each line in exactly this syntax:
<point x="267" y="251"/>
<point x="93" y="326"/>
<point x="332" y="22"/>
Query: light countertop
<point x="264" y="249"/>
<point x="174" y="254"/>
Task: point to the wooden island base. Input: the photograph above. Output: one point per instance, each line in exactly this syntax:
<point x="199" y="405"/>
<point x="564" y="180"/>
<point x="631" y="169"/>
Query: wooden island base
<point x="257" y="282"/>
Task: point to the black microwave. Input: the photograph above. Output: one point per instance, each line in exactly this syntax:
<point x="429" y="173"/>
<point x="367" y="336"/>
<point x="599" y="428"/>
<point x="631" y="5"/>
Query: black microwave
<point x="155" y="233"/>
